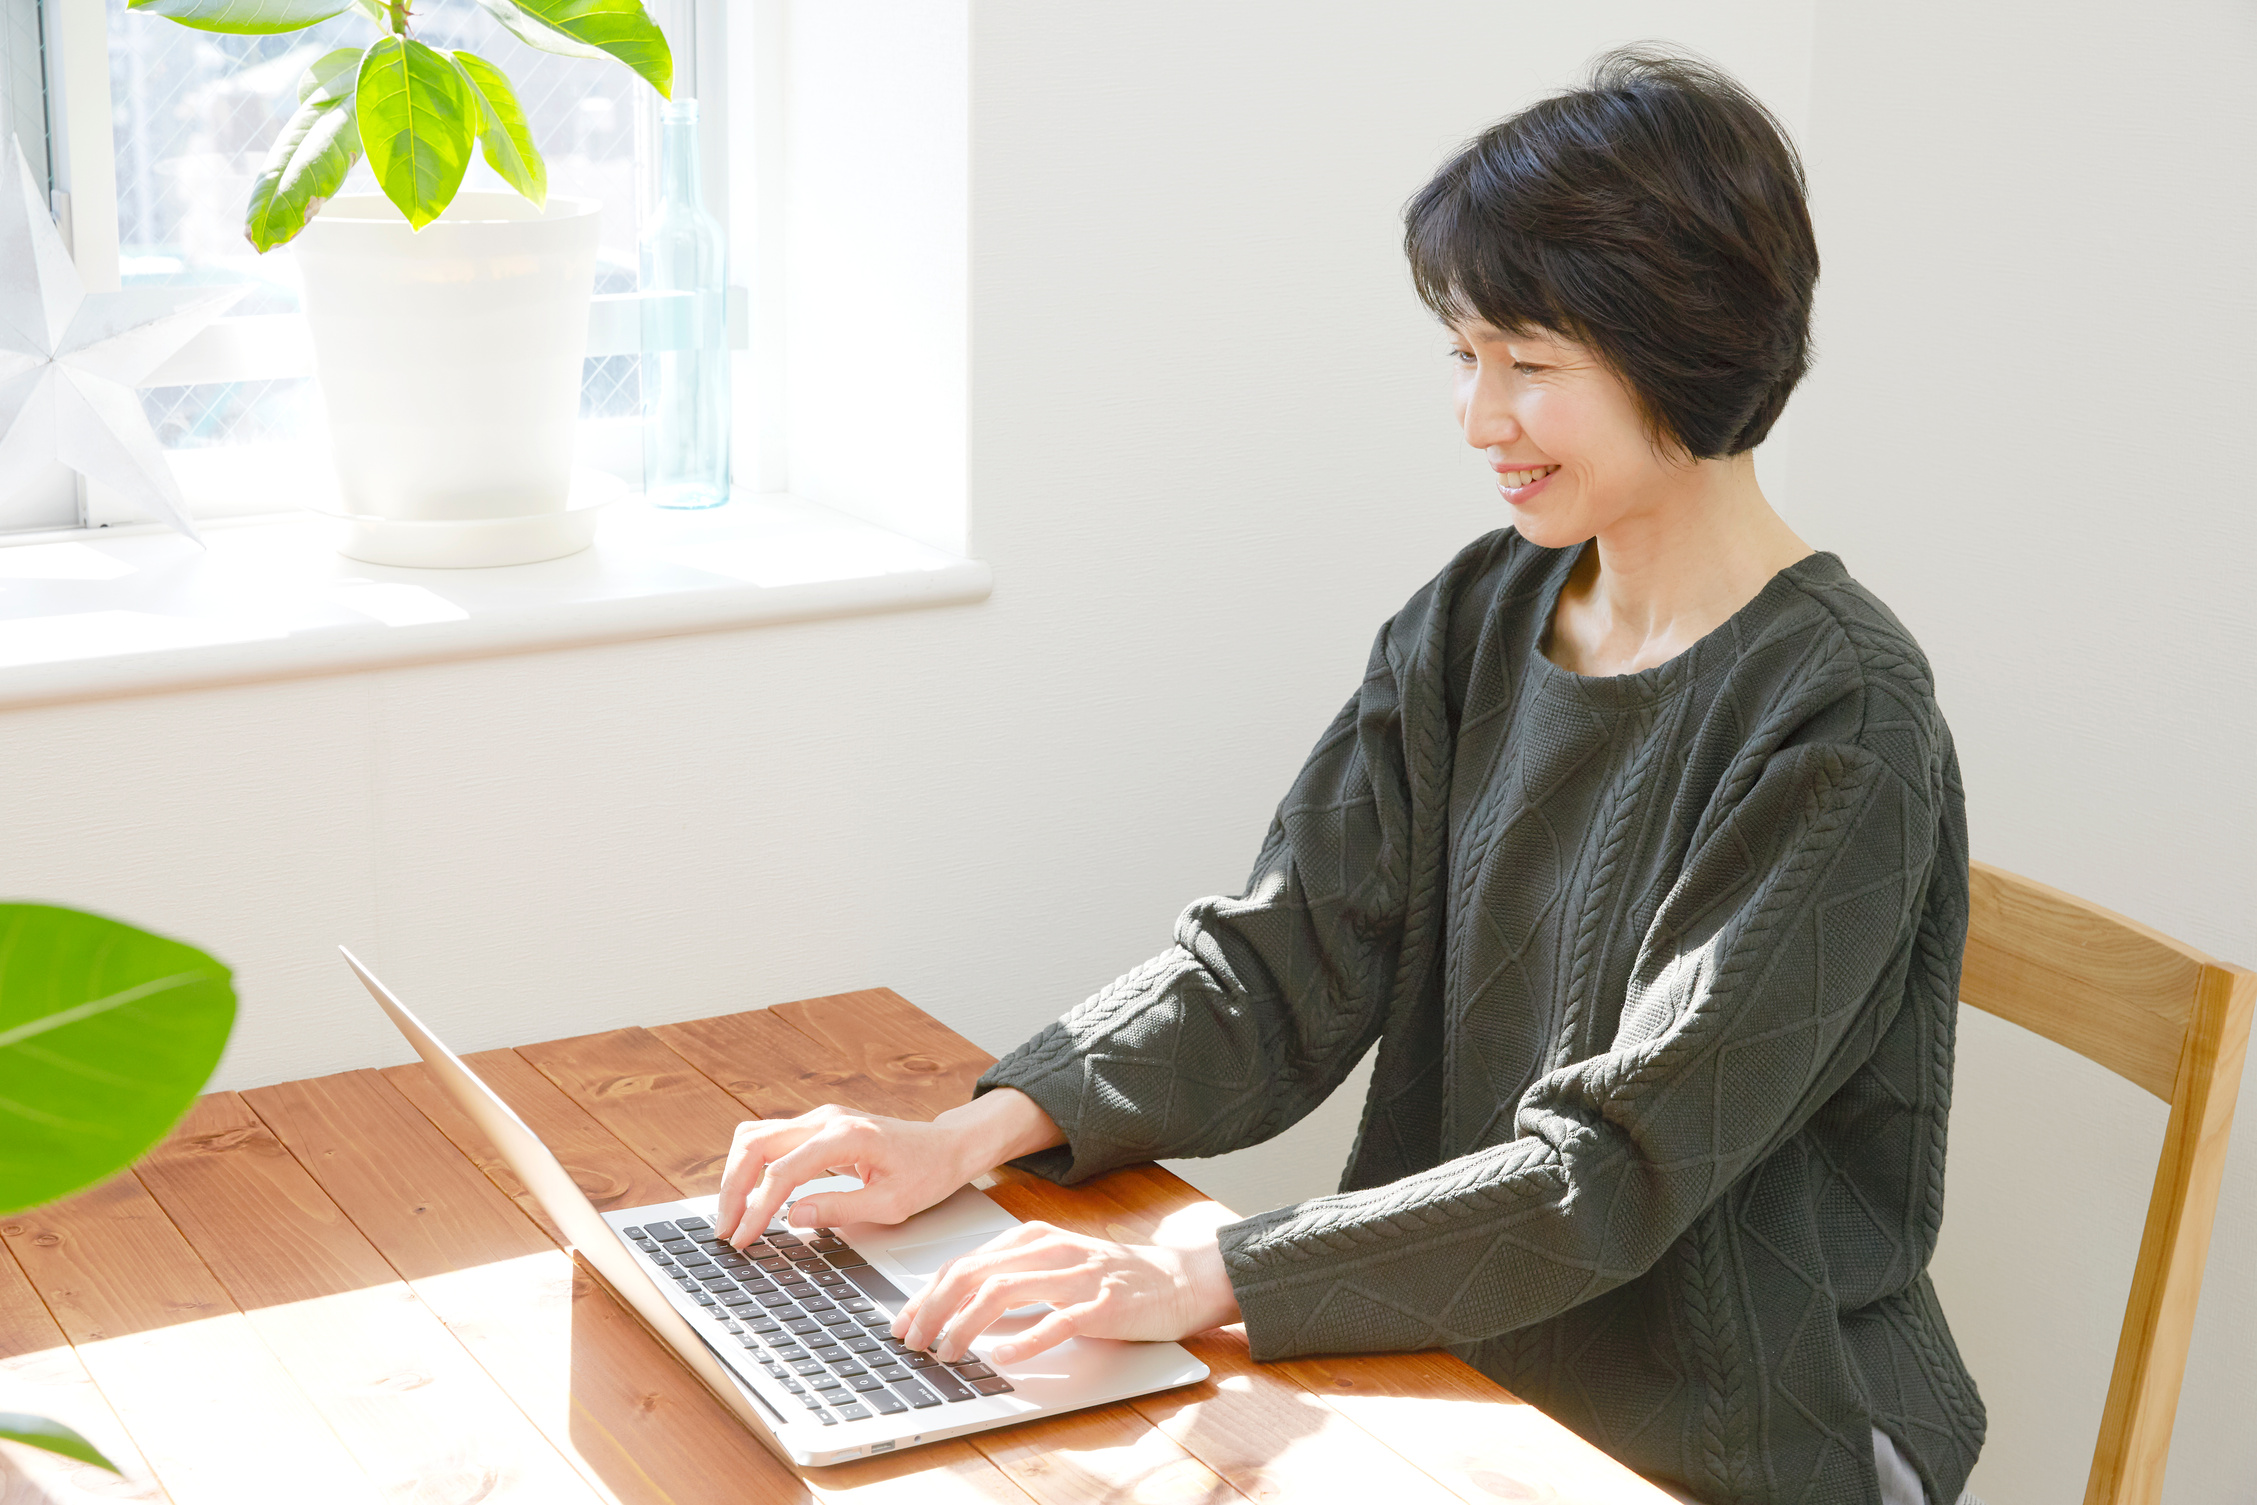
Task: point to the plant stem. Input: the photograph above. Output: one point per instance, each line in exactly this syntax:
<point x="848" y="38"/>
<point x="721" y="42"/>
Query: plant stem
<point x="399" y="9"/>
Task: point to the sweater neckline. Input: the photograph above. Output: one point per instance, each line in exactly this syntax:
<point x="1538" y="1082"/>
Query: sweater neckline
<point x="1641" y="686"/>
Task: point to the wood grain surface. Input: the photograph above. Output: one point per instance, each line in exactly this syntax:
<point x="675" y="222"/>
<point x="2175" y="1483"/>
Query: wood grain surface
<point x="424" y="1420"/>
<point x="652" y="1100"/>
<point x="40" y="1373"/>
<point x="599" y="1165"/>
<point x="336" y="1290"/>
<point x="634" y="1423"/>
<point x="216" y="1415"/>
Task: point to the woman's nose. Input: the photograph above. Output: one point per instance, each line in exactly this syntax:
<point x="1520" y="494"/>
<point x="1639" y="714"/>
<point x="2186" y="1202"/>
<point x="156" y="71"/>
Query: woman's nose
<point x="1488" y="419"/>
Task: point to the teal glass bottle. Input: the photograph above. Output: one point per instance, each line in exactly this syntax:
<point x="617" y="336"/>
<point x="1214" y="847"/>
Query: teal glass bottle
<point x="685" y="361"/>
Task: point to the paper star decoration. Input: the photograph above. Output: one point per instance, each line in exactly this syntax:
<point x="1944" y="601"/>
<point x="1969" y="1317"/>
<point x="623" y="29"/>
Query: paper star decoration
<point x="69" y="359"/>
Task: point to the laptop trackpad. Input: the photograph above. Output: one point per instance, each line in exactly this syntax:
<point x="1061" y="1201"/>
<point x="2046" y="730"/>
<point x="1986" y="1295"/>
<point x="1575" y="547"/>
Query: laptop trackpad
<point x="923" y="1261"/>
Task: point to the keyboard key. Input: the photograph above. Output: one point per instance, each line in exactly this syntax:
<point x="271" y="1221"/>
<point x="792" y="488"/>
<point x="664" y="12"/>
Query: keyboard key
<point x="813" y="1300"/>
<point x="772" y="1300"/>
<point x="949" y="1386"/>
<point x="778" y="1370"/>
<point x="676" y="1245"/>
<point x="993" y="1385"/>
<point x="884" y="1402"/>
<point x="877" y="1287"/>
<point x="873" y="1319"/>
<point x="784" y="1240"/>
<point x="803" y="1325"/>
<point x="634" y="1233"/>
<point x="825" y="1382"/>
<point x="795" y="1387"/>
<point x="728" y="1326"/>
<point x="694" y="1261"/>
<point x="688" y="1284"/>
<point x="830" y="1317"/>
<point x="860" y="1344"/>
<point x="890" y="1372"/>
<point x="717" y="1283"/>
<point x="829" y="1245"/>
<point x="693" y="1222"/>
<point x="863" y="1382"/>
<point x="825" y="1417"/>
<point x="846" y="1260"/>
<point x="854" y="1303"/>
<point x="749" y="1342"/>
<point x="916" y="1394"/>
<point x="774" y="1264"/>
<point x="704" y="1299"/>
<point x="971" y="1371"/>
<point x="807" y="1368"/>
<point x="733" y="1298"/>
<point x="829" y="1278"/>
<point x="811" y="1402"/>
<point x="799" y="1290"/>
<point x="661" y="1231"/>
<point x="844" y="1365"/>
<point x="648" y="1246"/>
<point x="853" y="1412"/>
<point x="731" y="1260"/>
<point x="790" y="1353"/>
<point x="805" y="1257"/>
<point x="762" y="1324"/>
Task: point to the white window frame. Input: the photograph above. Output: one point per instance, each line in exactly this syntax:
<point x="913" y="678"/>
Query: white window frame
<point x="263" y="347"/>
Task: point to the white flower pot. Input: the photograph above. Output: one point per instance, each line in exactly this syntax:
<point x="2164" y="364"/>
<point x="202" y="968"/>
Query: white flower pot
<point x="450" y="357"/>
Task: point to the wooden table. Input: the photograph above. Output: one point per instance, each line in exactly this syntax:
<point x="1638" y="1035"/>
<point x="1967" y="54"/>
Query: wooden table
<point x="332" y="1291"/>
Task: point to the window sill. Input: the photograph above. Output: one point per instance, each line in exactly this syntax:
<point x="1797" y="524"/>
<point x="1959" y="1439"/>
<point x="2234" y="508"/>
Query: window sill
<point x="95" y="615"/>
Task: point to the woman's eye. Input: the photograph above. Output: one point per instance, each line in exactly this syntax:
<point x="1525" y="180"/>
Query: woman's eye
<point x="1461" y="355"/>
<point x="1526" y="369"/>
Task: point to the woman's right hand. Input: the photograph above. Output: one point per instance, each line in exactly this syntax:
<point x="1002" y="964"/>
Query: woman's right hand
<point x="904" y="1166"/>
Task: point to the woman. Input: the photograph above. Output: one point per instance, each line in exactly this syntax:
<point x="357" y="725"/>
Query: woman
<point x="1640" y="856"/>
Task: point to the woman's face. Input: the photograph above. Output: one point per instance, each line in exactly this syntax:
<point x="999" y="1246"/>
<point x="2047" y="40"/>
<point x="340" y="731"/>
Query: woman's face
<point x="1572" y="453"/>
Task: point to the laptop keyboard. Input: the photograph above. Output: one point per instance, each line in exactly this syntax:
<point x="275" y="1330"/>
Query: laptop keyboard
<point x="806" y="1306"/>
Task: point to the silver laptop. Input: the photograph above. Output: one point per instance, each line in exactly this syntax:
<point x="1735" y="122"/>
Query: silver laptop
<point x="792" y="1336"/>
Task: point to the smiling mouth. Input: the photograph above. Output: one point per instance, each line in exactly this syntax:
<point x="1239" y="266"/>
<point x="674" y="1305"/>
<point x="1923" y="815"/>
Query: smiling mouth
<point x="1513" y="480"/>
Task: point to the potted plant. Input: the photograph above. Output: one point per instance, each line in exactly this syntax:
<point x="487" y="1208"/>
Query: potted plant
<point x="449" y="329"/>
<point x="107" y="1033"/>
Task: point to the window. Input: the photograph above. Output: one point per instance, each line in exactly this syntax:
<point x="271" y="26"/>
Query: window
<point x="180" y="122"/>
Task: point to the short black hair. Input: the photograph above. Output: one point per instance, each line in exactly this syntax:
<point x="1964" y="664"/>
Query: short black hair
<point x="1655" y="215"/>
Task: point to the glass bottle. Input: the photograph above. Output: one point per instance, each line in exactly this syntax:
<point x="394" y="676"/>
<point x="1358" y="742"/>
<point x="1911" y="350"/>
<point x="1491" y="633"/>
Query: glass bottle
<point x="685" y="361"/>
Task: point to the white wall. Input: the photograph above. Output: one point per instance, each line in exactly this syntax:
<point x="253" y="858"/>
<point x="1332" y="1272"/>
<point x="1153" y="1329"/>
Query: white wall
<point x="2028" y="431"/>
<point x="1209" y="449"/>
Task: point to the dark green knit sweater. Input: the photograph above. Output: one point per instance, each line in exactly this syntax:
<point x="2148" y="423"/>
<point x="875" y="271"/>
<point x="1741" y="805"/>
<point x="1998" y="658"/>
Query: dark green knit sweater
<point x="1662" y="968"/>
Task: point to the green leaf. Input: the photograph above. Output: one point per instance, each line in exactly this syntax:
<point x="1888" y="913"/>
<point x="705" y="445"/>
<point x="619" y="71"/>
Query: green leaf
<point x="418" y="121"/>
<point x="107" y="1033"/>
<point x="39" y="1432"/>
<point x="311" y="156"/>
<point x="534" y="34"/>
<point x="332" y="75"/>
<point x="621" y="28"/>
<point x="502" y="131"/>
<point x="245" y="17"/>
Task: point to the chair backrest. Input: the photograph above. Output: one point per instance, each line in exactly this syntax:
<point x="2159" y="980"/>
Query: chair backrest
<point x="2171" y="1020"/>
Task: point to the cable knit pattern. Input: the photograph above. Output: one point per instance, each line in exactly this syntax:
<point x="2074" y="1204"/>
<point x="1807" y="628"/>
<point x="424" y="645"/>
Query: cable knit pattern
<point x="1662" y="969"/>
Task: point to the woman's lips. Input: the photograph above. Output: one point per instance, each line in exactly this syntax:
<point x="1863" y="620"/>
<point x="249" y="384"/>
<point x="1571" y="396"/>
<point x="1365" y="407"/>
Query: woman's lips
<point x="1528" y="488"/>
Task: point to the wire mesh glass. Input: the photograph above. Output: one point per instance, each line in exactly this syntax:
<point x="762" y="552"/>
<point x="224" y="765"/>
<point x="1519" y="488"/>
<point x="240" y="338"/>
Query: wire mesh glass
<point x="195" y="112"/>
<point x="23" y="84"/>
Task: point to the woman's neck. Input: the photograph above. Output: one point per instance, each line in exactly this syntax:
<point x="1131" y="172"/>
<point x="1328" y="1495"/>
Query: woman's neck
<point x="1663" y="576"/>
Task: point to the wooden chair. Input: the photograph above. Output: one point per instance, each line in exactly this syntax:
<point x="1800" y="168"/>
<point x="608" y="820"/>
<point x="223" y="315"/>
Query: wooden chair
<point x="2169" y="1019"/>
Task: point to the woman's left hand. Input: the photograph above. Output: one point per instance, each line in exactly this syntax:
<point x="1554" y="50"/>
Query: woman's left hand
<point x="1098" y="1289"/>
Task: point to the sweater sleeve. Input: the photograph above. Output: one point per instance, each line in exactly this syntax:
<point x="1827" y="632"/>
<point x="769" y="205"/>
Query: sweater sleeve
<point x="1765" y="978"/>
<point x="1266" y="1000"/>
